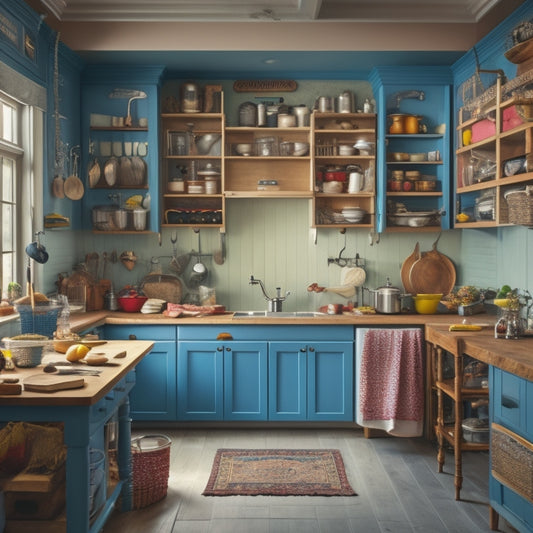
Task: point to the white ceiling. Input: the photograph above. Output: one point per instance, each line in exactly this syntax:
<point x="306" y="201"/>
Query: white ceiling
<point x="459" y="11"/>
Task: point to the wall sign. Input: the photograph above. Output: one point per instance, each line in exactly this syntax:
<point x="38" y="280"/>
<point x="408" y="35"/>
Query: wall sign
<point x="256" y="86"/>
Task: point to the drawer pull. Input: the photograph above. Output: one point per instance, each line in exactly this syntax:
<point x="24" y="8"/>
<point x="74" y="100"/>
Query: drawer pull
<point x="132" y="337"/>
<point x="509" y="403"/>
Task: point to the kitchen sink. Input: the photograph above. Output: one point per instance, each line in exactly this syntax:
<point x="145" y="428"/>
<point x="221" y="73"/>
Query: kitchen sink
<point x="272" y="314"/>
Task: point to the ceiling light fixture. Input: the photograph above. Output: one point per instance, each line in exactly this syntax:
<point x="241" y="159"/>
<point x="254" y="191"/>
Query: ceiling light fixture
<point x="271" y="61"/>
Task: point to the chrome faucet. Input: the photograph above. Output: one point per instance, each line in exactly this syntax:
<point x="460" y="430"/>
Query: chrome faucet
<point x="274" y="304"/>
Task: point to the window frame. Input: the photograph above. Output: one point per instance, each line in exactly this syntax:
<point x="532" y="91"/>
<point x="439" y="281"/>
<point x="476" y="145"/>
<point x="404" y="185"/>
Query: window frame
<point x="11" y="148"/>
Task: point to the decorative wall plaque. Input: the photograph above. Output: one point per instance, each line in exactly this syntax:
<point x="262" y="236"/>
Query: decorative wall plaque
<point x="262" y="86"/>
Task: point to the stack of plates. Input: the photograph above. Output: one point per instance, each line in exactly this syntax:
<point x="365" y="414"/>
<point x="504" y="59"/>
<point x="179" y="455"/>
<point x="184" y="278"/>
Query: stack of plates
<point x="338" y="217"/>
<point x="353" y="214"/>
<point x="152" y="305"/>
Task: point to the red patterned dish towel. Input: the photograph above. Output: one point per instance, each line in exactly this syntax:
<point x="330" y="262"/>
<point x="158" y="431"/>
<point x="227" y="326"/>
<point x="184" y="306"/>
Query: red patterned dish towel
<point x="391" y="382"/>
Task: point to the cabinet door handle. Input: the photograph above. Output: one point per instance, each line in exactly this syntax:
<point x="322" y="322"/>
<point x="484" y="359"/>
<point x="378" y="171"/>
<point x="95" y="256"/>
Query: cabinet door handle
<point x="132" y="337"/>
<point x="311" y="349"/>
<point x="303" y="350"/>
<point x="219" y="348"/>
<point x="228" y="349"/>
<point x="509" y="403"/>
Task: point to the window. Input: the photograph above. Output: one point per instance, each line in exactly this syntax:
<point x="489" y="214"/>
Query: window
<point x="11" y="154"/>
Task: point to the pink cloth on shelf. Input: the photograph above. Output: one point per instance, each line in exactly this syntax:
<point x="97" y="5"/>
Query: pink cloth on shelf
<point x="391" y="385"/>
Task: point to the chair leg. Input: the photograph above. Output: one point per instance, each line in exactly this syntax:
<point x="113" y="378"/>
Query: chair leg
<point x="494" y="518"/>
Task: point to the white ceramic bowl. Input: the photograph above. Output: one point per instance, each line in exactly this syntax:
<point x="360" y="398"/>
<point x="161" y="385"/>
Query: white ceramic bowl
<point x="346" y="149"/>
<point x="244" y="148"/>
<point x="301" y="148"/>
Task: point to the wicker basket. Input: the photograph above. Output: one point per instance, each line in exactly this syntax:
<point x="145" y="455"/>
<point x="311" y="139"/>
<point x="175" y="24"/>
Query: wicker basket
<point x="150" y="456"/>
<point x="512" y="460"/>
<point x="520" y="204"/>
<point x="41" y="319"/>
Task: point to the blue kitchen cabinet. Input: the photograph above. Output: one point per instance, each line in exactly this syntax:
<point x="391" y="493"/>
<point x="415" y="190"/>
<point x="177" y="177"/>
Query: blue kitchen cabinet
<point x="311" y="381"/>
<point x="222" y="380"/>
<point x="123" y="157"/>
<point x="154" y="395"/>
<point x="511" y="449"/>
<point x="426" y="92"/>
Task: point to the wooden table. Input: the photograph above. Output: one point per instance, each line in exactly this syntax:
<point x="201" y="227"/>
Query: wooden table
<point x="83" y="412"/>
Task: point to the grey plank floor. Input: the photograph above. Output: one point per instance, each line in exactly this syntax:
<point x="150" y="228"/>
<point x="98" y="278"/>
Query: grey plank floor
<point x="399" y="489"/>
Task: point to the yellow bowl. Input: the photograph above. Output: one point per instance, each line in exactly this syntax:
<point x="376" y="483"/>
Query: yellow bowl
<point x="430" y="296"/>
<point x="426" y="306"/>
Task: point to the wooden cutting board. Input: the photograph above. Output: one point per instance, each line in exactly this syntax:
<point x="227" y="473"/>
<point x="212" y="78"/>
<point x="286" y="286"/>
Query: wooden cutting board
<point x="432" y="274"/>
<point x="51" y="383"/>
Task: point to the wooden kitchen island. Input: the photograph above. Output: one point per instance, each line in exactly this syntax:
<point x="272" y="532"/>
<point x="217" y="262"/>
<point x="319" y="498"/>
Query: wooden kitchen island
<point x="83" y="413"/>
<point x="511" y="404"/>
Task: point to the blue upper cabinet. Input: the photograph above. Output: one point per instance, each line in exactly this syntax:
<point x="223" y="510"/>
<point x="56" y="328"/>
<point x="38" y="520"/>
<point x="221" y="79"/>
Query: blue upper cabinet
<point x="119" y="148"/>
<point x="413" y="151"/>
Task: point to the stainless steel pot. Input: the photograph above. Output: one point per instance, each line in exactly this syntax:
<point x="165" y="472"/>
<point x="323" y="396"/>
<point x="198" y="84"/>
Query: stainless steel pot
<point x="386" y="299"/>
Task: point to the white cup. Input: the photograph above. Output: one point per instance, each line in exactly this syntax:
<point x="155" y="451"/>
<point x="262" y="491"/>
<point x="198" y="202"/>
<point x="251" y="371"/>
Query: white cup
<point x="139" y="219"/>
<point x="355" y="182"/>
<point x="143" y="122"/>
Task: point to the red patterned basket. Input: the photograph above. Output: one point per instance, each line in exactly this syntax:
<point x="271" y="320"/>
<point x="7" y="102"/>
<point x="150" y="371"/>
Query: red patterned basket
<point x="150" y="456"/>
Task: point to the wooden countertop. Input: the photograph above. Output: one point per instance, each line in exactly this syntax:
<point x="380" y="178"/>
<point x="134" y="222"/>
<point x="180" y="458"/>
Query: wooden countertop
<point x="83" y="321"/>
<point x="514" y="356"/>
<point x="95" y="388"/>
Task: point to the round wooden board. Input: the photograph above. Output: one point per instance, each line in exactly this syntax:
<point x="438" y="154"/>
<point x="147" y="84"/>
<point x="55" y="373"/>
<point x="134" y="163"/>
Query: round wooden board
<point x="432" y="274"/>
<point x="406" y="268"/>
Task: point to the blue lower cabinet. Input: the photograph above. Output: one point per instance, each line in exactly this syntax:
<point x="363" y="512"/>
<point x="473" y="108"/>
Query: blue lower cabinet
<point x="287" y="381"/>
<point x="154" y="394"/>
<point x="511" y="449"/>
<point x="311" y="381"/>
<point x="222" y="380"/>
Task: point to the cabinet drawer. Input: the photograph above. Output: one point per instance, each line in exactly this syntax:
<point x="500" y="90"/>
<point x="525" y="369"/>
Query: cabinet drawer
<point x="508" y="396"/>
<point x="141" y="333"/>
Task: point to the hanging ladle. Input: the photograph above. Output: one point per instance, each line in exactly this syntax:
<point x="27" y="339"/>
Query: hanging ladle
<point x="199" y="270"/>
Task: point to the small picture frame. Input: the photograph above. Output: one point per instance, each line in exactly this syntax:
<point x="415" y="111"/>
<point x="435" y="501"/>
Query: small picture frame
<point x="177" y="143"/>
<point x="213" y="99"/>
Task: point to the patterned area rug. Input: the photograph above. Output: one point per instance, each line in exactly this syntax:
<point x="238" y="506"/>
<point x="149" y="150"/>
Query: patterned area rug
<point x="278" y="473"/>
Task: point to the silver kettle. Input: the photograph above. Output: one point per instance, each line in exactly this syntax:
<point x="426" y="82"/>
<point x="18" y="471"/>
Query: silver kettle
<point x="386" y="299"/>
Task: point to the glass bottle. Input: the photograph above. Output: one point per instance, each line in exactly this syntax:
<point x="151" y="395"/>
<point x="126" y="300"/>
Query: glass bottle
<point x="513" y="325"/>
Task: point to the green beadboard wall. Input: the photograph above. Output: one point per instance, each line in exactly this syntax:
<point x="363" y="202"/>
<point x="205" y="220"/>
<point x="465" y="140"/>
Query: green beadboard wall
<point x="271" y="239"/>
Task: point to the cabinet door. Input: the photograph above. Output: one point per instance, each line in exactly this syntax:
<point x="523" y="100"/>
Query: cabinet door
<point x="200" y="381"/>
<point x="154" y="395"/>
<point x="287" y="381"/>
<point x="330" y="381"/>
<point x="245" y="381"/>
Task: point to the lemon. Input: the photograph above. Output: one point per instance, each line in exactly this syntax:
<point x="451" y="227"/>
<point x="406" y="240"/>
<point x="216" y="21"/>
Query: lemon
<point x="77" y="352"/>
<point x="501" y="302"/>
<point x="463" y="217"/>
